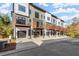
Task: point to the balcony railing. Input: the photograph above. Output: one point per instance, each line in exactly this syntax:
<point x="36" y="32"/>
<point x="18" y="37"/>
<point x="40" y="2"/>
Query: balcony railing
<point x="23" y="22"/>
<point x="20" y="21"/>
<point x="39" y="26"/>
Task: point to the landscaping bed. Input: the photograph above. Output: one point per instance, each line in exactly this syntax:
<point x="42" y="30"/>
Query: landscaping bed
<point x="9" y="46"/>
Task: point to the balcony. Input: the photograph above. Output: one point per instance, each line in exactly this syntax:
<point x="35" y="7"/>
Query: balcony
<point x="21" y="22"/>
<point x="39" y="27"/>
<point x="36" y="19"/>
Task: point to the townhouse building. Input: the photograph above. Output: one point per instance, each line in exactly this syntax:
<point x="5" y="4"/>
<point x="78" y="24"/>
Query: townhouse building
<point x="50" y="22"/>
<point x="21" y="21"/>
<point x="30" y="21"/>
<point x="37" y="16"/>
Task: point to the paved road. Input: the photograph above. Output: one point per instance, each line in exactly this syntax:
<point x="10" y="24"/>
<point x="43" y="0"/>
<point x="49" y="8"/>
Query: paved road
<point x="59" y="48"/>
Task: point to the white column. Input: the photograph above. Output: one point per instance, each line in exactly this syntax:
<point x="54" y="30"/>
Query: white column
<point x="56" y="33"/>
<point x="45" y="32"/>
<point x="16" y="32"/>
<point x="26" y="33"/>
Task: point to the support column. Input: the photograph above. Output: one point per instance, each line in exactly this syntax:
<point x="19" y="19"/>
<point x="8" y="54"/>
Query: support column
<point x="45" y="32"/>
<point x="14" y="33"/>
<point x="57" y="33"/>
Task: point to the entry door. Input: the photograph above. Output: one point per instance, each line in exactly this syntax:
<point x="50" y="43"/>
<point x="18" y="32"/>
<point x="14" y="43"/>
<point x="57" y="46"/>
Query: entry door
<point x="21" y="34"/>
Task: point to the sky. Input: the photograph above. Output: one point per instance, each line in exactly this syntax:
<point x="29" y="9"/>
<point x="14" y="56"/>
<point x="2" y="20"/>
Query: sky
<point x="65" y="11"/>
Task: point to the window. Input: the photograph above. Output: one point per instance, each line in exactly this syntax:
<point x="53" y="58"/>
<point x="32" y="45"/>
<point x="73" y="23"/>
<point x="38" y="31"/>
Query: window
<point x="22" y="8"/>
<point x="21" y="34"/>
<point x="58" y="23"/>
<point x="29" y="11"/>
<point x="54" y="22"/>
<point x="41" y="23"/>
<point x="48" y="18"/>
<point x="36" y="14"/>
<point x="44" y="17"/>
<point x="51" y="20"/>
<point x="37" y="24"/>
<point x="29" y="20"/>
<point x="41" y="16"/>
<point x="61" y="24"/>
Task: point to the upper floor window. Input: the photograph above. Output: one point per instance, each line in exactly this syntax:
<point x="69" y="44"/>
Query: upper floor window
<point x="58" y="23"/>
<point x="54" y="21"/>
<point x="41" y="16"/>
<point x="51" y="20"/>
<point x="44" y="17"/>
<point x="21" y="8"/>
<point x="36" y="14"/>
<point x="61" y="24"/>
<point x="39" y="24"/>
<point x="48" y="18"/>
<point x="29" y="20"/>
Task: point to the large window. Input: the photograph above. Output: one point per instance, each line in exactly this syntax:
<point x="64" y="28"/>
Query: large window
<point x="36" y="14"/>
<point x="21" y="34"/>
<point x="22" y="8"/>
<point x="21" y="19"/>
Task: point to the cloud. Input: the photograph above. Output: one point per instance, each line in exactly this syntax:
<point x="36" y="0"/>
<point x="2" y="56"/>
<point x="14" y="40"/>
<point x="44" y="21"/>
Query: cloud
<point x="4" y="5"/>
<point x="4" y="11"/>
<point x="4" y="8"/>
<point x="62" y="5"/>
<point x="68" y="19"/>
<point x="44" y="4"/>
<point x="67" y="10"/>
<point x="76" y="15"/>
<point x="59" y="5"/>
<point x="60" y="9"/>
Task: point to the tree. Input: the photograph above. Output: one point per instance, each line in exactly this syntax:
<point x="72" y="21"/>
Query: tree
<point x="73" y="29"/>
<point x="70" y="31"/>
<point x="5" y="26"/>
